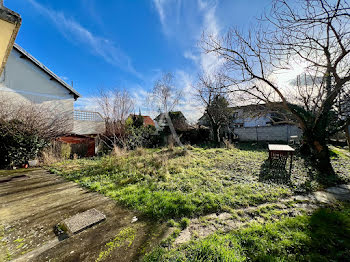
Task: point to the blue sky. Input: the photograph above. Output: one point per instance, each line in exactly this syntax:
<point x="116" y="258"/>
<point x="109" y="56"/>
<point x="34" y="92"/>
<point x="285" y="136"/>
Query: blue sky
<point x="127" y="43"/>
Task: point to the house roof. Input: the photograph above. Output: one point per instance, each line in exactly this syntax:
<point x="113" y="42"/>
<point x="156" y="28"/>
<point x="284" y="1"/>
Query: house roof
<point x="25" y="54"/>
<point x="259" y="107"/>
<point x="148" y="121"/>
<point x="173" y="115"/>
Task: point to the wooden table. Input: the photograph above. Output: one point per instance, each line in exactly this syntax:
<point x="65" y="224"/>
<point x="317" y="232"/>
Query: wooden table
<point x="281" y="153"/>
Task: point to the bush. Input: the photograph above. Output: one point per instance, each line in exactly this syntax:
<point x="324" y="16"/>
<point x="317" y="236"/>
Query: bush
<point x="65" y="150"/>
<point x="26" y="129"/>
<point x="18" y="146"/>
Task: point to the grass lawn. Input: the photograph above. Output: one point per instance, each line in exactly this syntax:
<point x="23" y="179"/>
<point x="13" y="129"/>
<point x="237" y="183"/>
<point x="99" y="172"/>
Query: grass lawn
<point x="174" y="183"/>
<point x="322" y="236"/>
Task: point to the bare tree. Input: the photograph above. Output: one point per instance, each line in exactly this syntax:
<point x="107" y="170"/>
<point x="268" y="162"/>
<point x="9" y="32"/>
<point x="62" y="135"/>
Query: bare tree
<point x="45" y="121"/>
<point x="27" y="128"/>
<point x="211" y="92"/>
<point x="115" y="106"/>
<point x="165" y="97"/>
<point x="314" y="34"/>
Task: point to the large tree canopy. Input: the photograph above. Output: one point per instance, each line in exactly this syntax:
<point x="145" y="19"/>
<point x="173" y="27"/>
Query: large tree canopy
<point x="310" y="34"/>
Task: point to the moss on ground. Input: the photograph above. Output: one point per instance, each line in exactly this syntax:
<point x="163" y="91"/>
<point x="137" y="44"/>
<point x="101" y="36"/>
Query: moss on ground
<point x="124" y="237"/>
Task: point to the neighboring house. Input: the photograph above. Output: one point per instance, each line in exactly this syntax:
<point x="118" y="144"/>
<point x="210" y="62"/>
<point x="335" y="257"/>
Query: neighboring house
<point x="177" y="118"/>
<point x="26" y="80"/>
<point x="243" y="116"/>
<point x="255" y="123"/>
<point x="259" y="123"/>
<point x="252" y="116"/>
<point x="147" y="120"/>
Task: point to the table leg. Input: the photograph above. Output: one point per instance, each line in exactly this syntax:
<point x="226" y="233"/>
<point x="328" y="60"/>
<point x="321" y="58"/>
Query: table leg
<point x="291" y="163"/>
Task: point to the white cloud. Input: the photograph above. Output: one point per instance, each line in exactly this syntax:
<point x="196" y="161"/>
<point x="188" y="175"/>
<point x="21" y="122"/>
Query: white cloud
<point x="78" y="34"/>
<point x="186" y="21"/>
<point x="283" y="77"/>
<point x="191" y="56"/>
<point x="65" y="78"/>
<point x="160" y="6"/>
<point x="87" y="103"/>
<point x="202" y="4"/>
<point x="188" y="105"/>
<point x="210" y="63"/>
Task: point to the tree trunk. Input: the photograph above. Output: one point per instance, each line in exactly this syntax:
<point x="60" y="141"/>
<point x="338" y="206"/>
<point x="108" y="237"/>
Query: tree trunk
<point x="320" y="156"/>
<point x="321" y="153"/>
<point x="347" y="131"/>
<point x="216" y="133"/>
<point x="172" y="129"/>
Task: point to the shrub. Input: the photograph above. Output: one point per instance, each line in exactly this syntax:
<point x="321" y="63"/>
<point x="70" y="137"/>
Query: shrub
<point x="17" y="147"/>
<point x="65" y="151"/>
<point x="26" y="130"/>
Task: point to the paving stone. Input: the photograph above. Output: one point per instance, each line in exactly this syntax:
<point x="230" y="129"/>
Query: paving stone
<point x="345" y="186"/>
<point x="211" y="216"/>
<point x="225" y="222"/>
<point x="81" y="221"/>
<point x="224" y="216"/>
<point x="184" y="236"/>
<point x="302" y="198"/>
<point x="338" y="190"/>
<point x="324" y="197"/>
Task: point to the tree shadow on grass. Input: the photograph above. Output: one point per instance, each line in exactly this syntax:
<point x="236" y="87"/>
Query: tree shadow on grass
<point x="329" y="233"/>
<point x="322" y="178"/>
<point x="252" y="146"/>
<point x="244" y="146"/>
<point x="324" y="236"/>
<point x="275" y="173"/>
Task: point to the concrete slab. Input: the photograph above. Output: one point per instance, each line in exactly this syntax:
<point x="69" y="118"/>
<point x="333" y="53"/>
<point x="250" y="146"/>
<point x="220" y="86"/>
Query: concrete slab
<point x="31" y="208"/>
<point x="81" y="221"/>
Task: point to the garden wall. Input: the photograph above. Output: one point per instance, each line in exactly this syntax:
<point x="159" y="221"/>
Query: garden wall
<point x="267" y="133"/>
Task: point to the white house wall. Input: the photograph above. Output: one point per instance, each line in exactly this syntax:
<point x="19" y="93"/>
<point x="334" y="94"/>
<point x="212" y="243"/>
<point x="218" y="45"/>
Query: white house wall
<point x="253" y="121"/>
<point x="267" y="133"/>
<point x="23" y="82"/>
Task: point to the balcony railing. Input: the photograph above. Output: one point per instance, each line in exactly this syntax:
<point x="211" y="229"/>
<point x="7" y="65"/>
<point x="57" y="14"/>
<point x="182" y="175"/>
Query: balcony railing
<point x="81" y="115"/>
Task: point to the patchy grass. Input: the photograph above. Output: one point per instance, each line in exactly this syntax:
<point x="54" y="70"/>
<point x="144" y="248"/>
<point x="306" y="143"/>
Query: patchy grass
<point x="125" y="237"/>
<point x="339" y="153"/>
<point x="175" y="183"/>
<point x="322" y="236"/>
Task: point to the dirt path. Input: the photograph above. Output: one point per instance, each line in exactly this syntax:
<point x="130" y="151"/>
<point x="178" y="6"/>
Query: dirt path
<point x="291" y="207"/>
<point x="32" y="203"/>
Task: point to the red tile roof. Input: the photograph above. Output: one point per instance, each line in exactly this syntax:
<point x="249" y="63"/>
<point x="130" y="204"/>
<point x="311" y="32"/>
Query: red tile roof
<point x="147" y="121"/>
